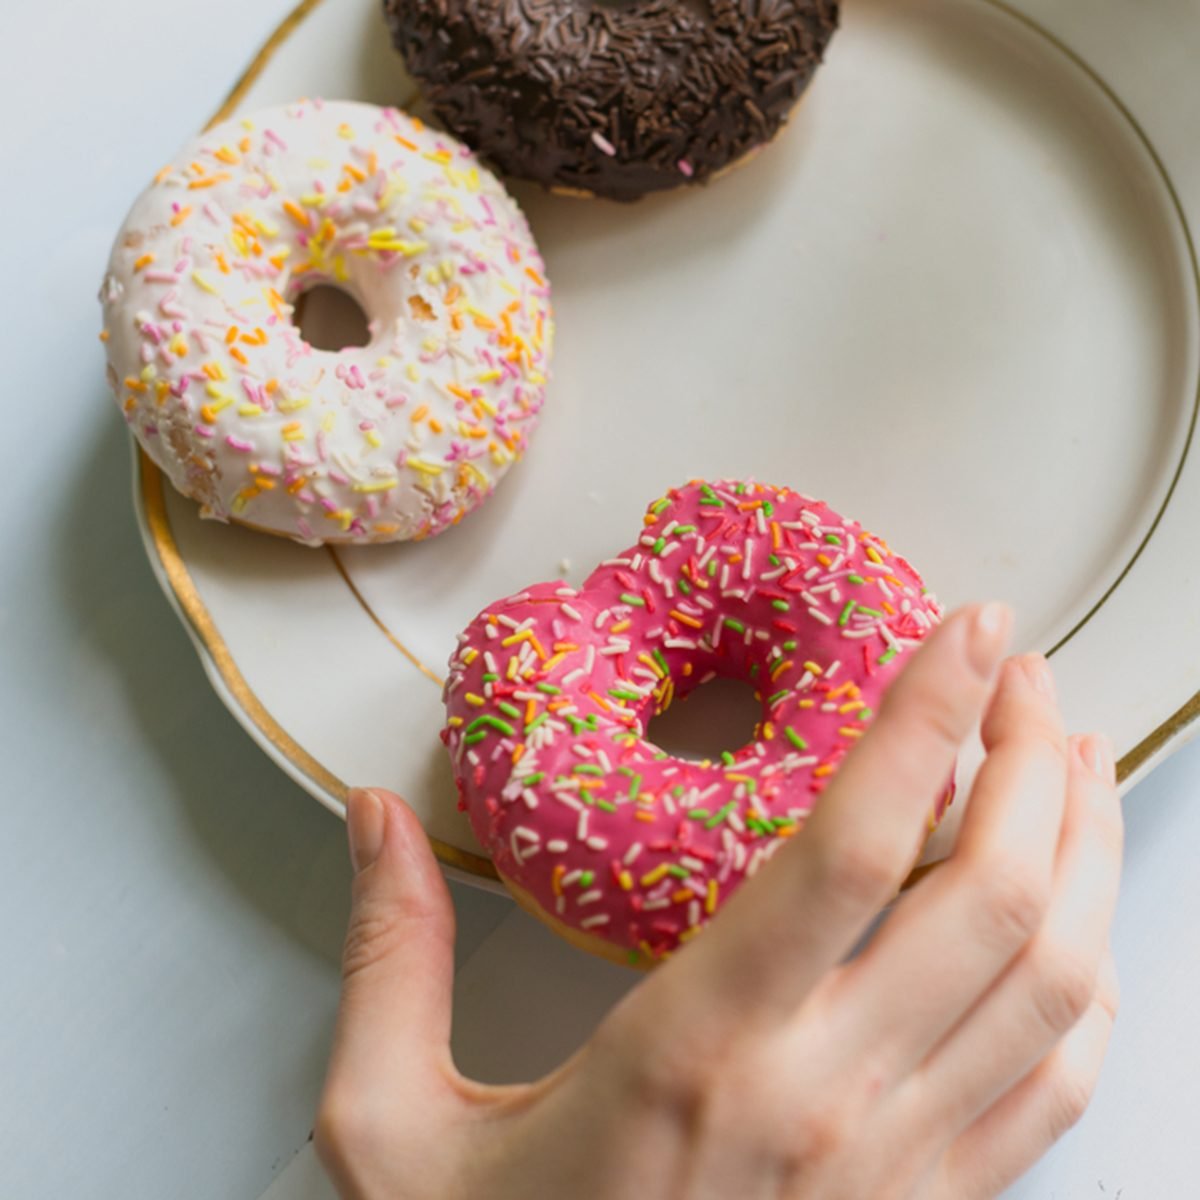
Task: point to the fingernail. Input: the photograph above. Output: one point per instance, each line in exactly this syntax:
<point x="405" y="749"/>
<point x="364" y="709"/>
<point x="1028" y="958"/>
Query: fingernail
<point x="1037" y="671"/>
<point x="988" y="636"/>
<point x="1096" y="751"/>
<point x="365" y="820"/>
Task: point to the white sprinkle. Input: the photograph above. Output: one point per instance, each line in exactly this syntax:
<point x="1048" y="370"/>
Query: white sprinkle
<point x="558" y="846"/>
<point x="597" y="843"/>
<point x="592" y="921"/>
<point x="632" y="853"/>
<point x="590" y="897"/>
<point x="818" y="615"/>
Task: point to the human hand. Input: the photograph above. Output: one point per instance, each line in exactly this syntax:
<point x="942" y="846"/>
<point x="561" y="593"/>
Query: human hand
<point x="939" y="1063"/>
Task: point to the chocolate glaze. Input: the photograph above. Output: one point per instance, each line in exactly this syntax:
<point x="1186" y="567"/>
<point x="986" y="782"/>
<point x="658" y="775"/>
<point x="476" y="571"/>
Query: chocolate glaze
<point x="608" y="97"/>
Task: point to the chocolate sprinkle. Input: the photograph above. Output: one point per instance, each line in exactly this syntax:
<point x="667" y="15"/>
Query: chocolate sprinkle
<point x="612" y="98"/>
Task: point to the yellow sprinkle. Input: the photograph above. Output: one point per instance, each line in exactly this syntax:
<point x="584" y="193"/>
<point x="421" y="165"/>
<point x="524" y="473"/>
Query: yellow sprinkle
<point x="652" y="877"/>
<point x="814" y="668"/>
<point x="429" y="468"/>
<point x="710" y="900"/>
<point x="293" y="405"/>
<point x="250" y="410"/>
<point x="379" y="485"/>
<point x="373" y="438"/>
<point x="328" y="421"/>
<point x="474" y="700"/>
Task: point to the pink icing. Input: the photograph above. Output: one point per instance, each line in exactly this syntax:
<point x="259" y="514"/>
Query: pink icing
<point x="550" y="692"/>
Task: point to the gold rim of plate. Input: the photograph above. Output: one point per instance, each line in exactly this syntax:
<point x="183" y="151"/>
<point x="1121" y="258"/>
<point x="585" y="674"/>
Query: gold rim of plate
<point x="174" y="569"/>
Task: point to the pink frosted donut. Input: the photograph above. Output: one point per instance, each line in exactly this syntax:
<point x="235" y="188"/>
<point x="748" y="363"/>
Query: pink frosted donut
<point x="622" y="847"/>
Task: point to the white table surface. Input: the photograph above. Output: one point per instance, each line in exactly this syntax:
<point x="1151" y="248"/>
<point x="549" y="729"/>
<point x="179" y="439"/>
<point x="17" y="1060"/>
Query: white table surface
<point x="171" y="906"/>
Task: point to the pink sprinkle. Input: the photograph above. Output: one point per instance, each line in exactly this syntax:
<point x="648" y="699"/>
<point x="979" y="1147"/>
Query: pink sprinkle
<point x="203" y="431"/>
<point x="685" y="167"/>
<point x="271" y="136"/>
<point x="269" y="469"/>
<point x="603" y="144"/>
<point x="238" y="444"/>
<point x="304" y="528"/>
<point x="338" y="477"/>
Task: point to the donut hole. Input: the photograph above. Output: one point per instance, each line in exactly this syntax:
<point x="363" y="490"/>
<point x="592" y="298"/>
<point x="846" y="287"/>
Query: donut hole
<point x="720" y="715"/>
<point x="329" y="318"/>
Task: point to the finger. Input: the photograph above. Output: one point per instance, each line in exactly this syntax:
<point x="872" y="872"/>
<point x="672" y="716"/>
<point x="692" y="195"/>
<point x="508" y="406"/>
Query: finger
<point x="953" y="936"/>
<point x="808" y="905"/>
<point x="391" y="1043"/>
<point x="1022" y="1125"/>
<point x="1052" y="981"/>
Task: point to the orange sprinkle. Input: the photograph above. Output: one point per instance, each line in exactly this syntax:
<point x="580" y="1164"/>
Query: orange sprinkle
<point x="535" y="277"/>
<point x="684" y="619"/>
<point x="556" y="879"/>
<point x="226" y="156"/>
<point x="208" y="182"/>
<point x="297" y="214"/>
<point x="182" y="215"/>
<point x="144" y="261"/>
<point x="235" y="352"/>
<point x="231" y="335"/>
<point x="104" y="335"/>
<point x="460" y="392"/>
<point x="420" y="413"/>
<point x="404" y="142"/>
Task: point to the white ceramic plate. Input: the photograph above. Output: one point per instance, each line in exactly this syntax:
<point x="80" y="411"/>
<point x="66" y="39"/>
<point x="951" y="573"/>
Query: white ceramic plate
<point x="958" y="299"/>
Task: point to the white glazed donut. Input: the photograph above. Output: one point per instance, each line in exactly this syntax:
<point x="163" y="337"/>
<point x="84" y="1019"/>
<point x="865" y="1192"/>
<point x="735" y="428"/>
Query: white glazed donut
<point x="393" y="440"/>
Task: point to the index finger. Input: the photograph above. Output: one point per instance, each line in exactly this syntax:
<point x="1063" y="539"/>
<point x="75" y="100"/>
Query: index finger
<point x="806" y="908"/>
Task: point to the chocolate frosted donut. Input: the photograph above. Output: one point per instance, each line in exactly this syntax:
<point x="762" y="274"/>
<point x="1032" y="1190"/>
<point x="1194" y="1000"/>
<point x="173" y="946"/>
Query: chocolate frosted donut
<point x="607" y="98"/>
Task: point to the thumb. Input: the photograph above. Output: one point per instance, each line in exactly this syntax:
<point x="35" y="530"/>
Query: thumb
<point x="393" y="1030"/>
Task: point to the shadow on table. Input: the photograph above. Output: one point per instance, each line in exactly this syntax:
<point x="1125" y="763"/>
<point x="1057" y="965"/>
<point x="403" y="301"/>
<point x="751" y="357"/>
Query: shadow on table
<point x="283" y="854"/>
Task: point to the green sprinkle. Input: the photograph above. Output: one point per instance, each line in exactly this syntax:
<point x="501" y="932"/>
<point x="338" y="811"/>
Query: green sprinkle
<point x="887" y="656"/>
<point x="678" y="872"/>
<point x="683" y="585"/>
<point x="659" y="658"/>
<point x="774" y="559"/>
<point x="622" y="694"/>
<point x="751" y="786"/>
<point x="795" y="738"/>
<point x="727" y="758"/>
<point x="626" y="771"/>
<point x="537" y="721"/>
<point x="775" y="699"/>
<point x="472" y="738"/>
<point x="864" y="714"/>
<point x="681" y="529"/>
<point x="530" y="780"/>
<point x="711" y="569"/>
<point x="587" y="769"/>
<point x="833" y="539"/>
<point x="708" y="496"/>
<point x="698" y="814"/>
<point x="659" y="505"/>
<point x="720" y="815"/>
<point x="740" y="489"/>
<point x="659" y="545"/>
<point x="635" y="786"/>
<point x="780" y="605"/>
<point x="677" y="790"/>
<point x="847" y="613"/>
<point x="509" y="710"/>
<point x="491" y="677"/>
<point x="753" y="670"/>
<point x="768" y="508"/>
<point x="549" y="689"/>
<point x="789" y="646"/>
<point x="587" y="878"/>
<point x="782" y="822"/>
<point x="487" y="719"/>
<point x="871" y="612"/>
<point x="607" y="805"/>
<point x="856" y="579"/>
<point x="734" y="624"/>
<point x="633" y="957"/>
<point x="630" y="598"/>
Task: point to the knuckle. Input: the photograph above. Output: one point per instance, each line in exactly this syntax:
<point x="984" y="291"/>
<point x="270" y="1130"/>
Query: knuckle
<point x="861" y="870"/>
<point x="1063" y="988"/>
<point x="371" y="936"/>
<point x="1070" y="1095"/>
<point x="820" y="1135"/>
<point x="669" y="1075"/>
<point x="343" y="1128"/>
<point x="1014" y="897"/>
